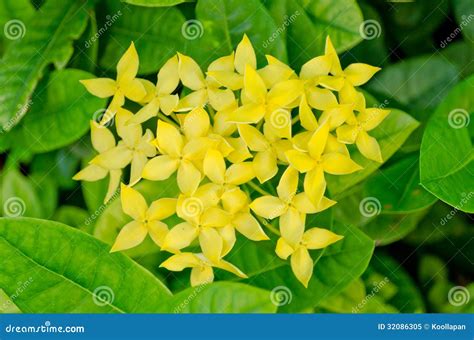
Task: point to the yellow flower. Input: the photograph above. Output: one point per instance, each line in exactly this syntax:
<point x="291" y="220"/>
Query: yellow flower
<point x="159" y="97"/>
<point x="102" y="141"/>
<point x="315" y="163"/>
<point x="289" y="206"/>
<point x="133" y="148"/>
<point x="201" y="272"/>
<point x="269" y="149"/>
<point x="126" y="85"/>
<point x="146" y="220"/>
<point x="204" y="90"/>
<point x="272" y="105"/>
<point x="301" y="261"/>
<point x="356" y="130"/>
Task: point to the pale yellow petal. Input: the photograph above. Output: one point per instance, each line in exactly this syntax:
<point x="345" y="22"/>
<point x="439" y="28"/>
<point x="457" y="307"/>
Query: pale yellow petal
<point x="333" y="145"/>
<point x="254" y="139"/>
<point x="234" y="200"/>
<point x="134" y="90"/>
<point x="131" y="235"/>
<point x="168" y="103"/>
<point x="228" y="79"/>
<point x="168" y="77"/>
<point x="250" y="114"/>
<point x="160" y="168"/>
<point x="307" y="118"/>
<point x="100" y="87"/>
<point x="190" y="73"/>
<point x="139" y="161"/>
<point x="303" y="204"/>
<point x="115" y="158"/>
<point x="150" y="110"/>
<point x="292" y="226"/>
<point x="334" y="83"/>
<point x="301" y="161"/>
<point x="315" y="185"/>
<point x="347" y="134"/>
<point x="285" y="92"/>
<point x="192" y="101"/>
<point x="188" y="177"/>
<point x="181" y="261"/>
<point x="227" y="234"/>
<point x="127" y="66"/>
<point x="245" y="55"/>
<point x="317" y="142"/>
<point x="230" y="268"/>
<point x="214" y="166"/>
<point x="225" y="63"/>
<point x="161" y="208"/>
<point x="215" y="217"/>
<point x="339" y="164"/>
<point x="248" y="226"/>
<point x="211" y="243"/>
<point x="358" y="73"/>
<point x="265" y="165"/>
<point x="274" y="73"/>
<point x="201" y="276"/>
<point x="133" y="203"/>
<point x="302" y="265"/>
<point x="319" y="66"/>
<point x="169" y="139"/>
<point x="91" y="173"/>
<point x="324" y="204"/>
<point x="254" y="86"/>
<point x="283" y="249"/>
<point x="179" y="237"/>
<point x="318" y="238"/>
<point x="240" y="173"/>
<point x="196" y="124"/>
<point x="221" y="99"/>
<point x="278" y="123"/>
<point x="268" y="207"/>
<point x="321" y="99"/>
<point x="240" y="152"/>
<point x="369" y="147"/>
<point x="101" y="137"/>
<point x="370" y="118"/>
<point x="130" y="133"/>
<point x="336" y="116"/>
<point x="330" y="51"/>
<point x="288" y="184"/>
<point x="157" y="231"/>
<point x="114" y="183"/>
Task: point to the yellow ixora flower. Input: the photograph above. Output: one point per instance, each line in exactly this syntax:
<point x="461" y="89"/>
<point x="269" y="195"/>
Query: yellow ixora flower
<point x="146" y="220"/>
<point x="126" y="85"/>
<point x="301" y="261"/>
<point x="315" y="163"/>
<point x="201" y="272"/>
<point x="102" y="141"/>
<point x="356" y="130"/>
<point x="134" y="148"/>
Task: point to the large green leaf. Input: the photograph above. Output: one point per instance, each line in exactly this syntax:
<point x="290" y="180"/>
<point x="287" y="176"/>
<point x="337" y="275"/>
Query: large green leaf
<point x="7" y="305"/>
<point x="334" y="268"/>
<point x="397" y="187"/>
<point x="221" y="24"/>
<point x="222" y="297"/>
<point x="18" y="195"/>
<point x="155" y="3"/>
<point x="460" y="54"/>
<point x="446" y="161"/>
<point x="71" y="272"/>
<point x="13" y="15"/>
<point x="60" y="113"/>
<point x="156" y="33"/>
<point x="316" y="19"/>
<point x="48" y="39"/>
<point x="391" y="134"/>
<point x="110" y="218"/>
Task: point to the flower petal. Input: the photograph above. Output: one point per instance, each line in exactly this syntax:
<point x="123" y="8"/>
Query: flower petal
<point x="234" y="200"/>
<point x="292" y="226"/>
<point x="157" y="231"/>
<point x="181" y="261"/>
<point x="169" y="139"/>
<point x="369" y="147"/>
<point x="168" y="77"/>
<point x="215" y="217"/>
<point x="359" y="74"/>
<point x="134" y="90"/>
<point x="248" y="226"/>
<point x="339" y="164"/>
<point x="91" y="173"/>
<point x="265" y="165"/>
<point x="214" y="166"/>
<point x="230" y="268"/>
<point x="240" y="173"/>
<point x="190" y="73"/>
<point x="100" y="87"/>
<point x="283" y="249"/>
<point x="330" y="51"/>
<point x="317" y="142"/>
<point x="318" y="238"/>
<point x="307" y="118"/>
<point x="160" y="168"/>
<point x="131" y="235"/>
<point x="302" y="265"/>
<point x="115" y="158"/>
<point x="321" y="99"/>
<point x="371" y="118"/>
<point x="336" y="116"/>
<point x="201" y="275"/>
<point x="227" y="234"/>
<point x="285" y="92"/>
<point x="192" y="101"/>
<point x="211" y="243"/>
<point x="127" y="66"/>
<point x="254" y="86"/>
<point x="347" y="134"/>
<point x="249" y="113"/>
<point x="196" y="123"/>
<point x="303" y="204"/>
<point x="245" y="55"/>
<point x="130" y="133"/>
<point x="138" y="163"/>
<point x="319" y="66"/>
<point x="288" y="184"/>
<point x="161" y="208"/>
<point x="114" y="183"/>
<point x="254" y="139"/>
<point x="133" y="203"/>
<point x="188" y="178"/>
<point x="301" y="161"/>
<point x="220" y="99"/>
<point x="268" y="207"/>
<point x="179" y="237"/>
<point x="168" y="103"/>
<point x="315" y="185"/>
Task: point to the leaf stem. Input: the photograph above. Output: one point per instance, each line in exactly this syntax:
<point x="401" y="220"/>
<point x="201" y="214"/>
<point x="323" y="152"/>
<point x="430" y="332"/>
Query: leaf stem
<point x="258" y="189"/>
<point x="268" y="225"/>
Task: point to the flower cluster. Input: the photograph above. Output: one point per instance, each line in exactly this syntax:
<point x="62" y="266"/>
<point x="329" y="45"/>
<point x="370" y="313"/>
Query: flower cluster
<point x="226" y="136"/>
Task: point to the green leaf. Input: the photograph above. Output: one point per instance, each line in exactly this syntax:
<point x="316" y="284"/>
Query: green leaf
<point x="413" y="81"/>
<point x="72" y="216"/>
<point x="334" y="268"/>
<point x="391" y="134"/>
<point x="446" y="161"/>
<point x="221" y="297"/>
<point x="464" y="13"/>
<point x="87" y="47"/>
<point x="156" y="3"/>
<point x="62" y="107"/>
<point x="407" y="298"/>
<point x="316" y="19"/>
<point x="48" y="39"/>
<point x="7" y="306"/>
<point x="156" y="33"/>
<point x="460" y="54"/>
<point x="71" y="272"/>
<point x="221" y="25"/>
<point x="397" y="187"/>
<point x="19" y="197"/>
<point x="110" y="218"/>
<point x="13" y="15"/>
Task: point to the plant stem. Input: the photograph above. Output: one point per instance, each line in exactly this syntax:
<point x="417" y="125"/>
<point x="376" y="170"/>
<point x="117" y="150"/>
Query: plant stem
<point x="268" y="225"/>
<point x="168" y="120"/>
<point x="258" y="188"/>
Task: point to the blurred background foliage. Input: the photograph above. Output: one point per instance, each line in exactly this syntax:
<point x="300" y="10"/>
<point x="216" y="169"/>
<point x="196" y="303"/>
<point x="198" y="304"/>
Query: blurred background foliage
<point x="424" y="246"/>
